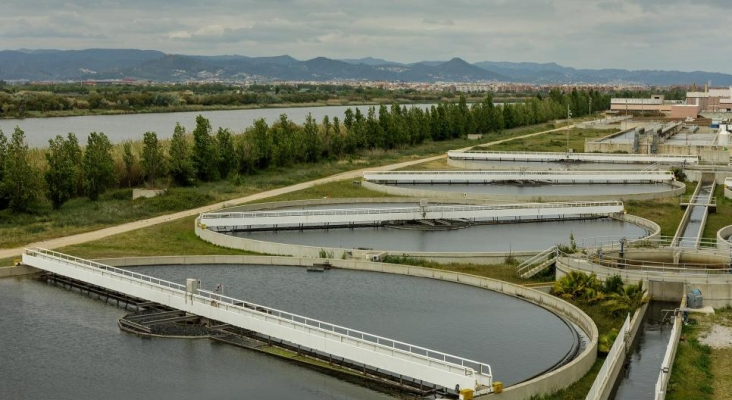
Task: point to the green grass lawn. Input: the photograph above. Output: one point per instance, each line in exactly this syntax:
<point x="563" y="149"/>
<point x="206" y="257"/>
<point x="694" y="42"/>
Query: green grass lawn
<point x="553" y="141"/>
<point x="721" y="217"/>
<point x="667" y="213"/>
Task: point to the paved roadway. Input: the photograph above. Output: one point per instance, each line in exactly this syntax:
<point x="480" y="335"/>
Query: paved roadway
<point x="131" y="226"/>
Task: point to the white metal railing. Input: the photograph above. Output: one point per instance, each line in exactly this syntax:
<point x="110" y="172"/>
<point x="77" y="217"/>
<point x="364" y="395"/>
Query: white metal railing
<point x="402" y="210"/>
<point x="594" y="264"/>
<point x="644" y="172"/>
<point x="555" y="154"/>
<point x="668" y="358"/>
<point x="611" y="360"/>
<point x="272" y="315"/>
<point x="613" y="243"/>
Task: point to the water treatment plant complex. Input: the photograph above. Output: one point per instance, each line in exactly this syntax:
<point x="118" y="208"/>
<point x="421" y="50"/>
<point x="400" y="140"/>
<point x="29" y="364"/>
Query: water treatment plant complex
<point x="556" y="213"/>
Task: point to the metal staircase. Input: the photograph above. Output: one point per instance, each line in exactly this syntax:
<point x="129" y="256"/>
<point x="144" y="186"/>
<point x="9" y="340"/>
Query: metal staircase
<point x="537" y="263"/>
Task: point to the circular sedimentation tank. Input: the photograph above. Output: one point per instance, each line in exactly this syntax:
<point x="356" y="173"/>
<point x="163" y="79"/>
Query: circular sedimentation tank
<point x="460" y="320"/>
<point x="452" y="237"/>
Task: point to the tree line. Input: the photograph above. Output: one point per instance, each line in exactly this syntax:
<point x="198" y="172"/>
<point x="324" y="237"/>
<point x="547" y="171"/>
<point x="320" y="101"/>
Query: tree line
<point x="207" y="156"/>
<point x="18" y="101"/>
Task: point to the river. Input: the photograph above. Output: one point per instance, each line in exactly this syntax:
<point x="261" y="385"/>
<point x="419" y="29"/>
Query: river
<point x="133" y="126"/>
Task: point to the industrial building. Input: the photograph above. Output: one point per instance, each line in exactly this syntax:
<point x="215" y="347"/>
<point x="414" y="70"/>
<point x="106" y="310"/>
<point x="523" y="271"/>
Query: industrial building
<point x="710" y="100"/>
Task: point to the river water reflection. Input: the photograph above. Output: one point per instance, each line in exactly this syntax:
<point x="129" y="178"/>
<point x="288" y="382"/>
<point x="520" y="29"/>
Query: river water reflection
<point x="133" y="126"/>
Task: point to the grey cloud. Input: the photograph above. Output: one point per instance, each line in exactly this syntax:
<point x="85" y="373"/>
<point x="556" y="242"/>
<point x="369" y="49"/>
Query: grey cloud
<point x="584" y="34"/>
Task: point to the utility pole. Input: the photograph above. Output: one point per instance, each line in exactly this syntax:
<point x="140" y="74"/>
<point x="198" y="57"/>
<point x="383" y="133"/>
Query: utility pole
<point x="590" y="106"/>
<point x="569" y="122"/>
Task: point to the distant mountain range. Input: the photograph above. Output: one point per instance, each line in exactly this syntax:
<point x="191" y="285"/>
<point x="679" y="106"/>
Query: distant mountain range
<point x="100" y="64"/>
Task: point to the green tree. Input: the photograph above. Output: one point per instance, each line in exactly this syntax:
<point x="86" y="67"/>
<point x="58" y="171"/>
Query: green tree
<point x="227" y="154"/>
<point x="260" y="143"/>
<point x="63" y="169"/>
<point x="129" y="160"/>
<point x="98" y="166"/>
<point x="3" y="157"/>
<point x="626" y="299"/>
<point x="21" y="183"/>
<point x="153" y="158"/>
<point x="312" y="142"/>
<point x="181" y="165"/>
<point x="205" y="154"/>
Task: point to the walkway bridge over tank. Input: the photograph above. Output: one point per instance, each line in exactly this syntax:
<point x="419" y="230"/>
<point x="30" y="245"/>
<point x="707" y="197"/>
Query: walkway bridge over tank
<point x="331" y="218"/>
<point x="664" y="159"/>
<point x="402" y="359"/>
<point x="486" y="177"/>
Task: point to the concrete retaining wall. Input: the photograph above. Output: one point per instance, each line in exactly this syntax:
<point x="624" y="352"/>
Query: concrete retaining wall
<point x="677" y="189"/>
<point x="716" y="288"/>
<point x="147" y="193"/>
<point x="668" y="358"/>
<point x="550" y="382"/>
<point x="7" y="272"/>
<point x="606" y="379"/>
<point x="694" y="173"/>
<point x="608" y="147"/>
<point x="722" y="243"/>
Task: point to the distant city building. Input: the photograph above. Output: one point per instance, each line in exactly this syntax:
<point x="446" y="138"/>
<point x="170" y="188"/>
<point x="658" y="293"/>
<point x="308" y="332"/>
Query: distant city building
<point x="712" y="100"/>
<point x="655" y="105"/>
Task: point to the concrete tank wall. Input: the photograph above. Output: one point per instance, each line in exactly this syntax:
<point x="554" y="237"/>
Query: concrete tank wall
<point x="716" y="288"/>
<point x="722" y="243"/>
<point x="677" y="190"/>
<point x="544" y="384"/>
<point x="282" y="249"/>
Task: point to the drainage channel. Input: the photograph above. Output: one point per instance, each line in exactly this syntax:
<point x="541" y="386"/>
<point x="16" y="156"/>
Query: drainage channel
<point x="638" y="378"/>
<point x="689" y="235"/>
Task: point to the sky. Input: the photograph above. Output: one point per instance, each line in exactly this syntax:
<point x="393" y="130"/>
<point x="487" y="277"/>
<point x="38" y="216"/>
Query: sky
<point x="631" y="34"/>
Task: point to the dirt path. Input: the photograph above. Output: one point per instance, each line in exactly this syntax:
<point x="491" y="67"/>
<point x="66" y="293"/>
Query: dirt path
<point x="130" y="226"/>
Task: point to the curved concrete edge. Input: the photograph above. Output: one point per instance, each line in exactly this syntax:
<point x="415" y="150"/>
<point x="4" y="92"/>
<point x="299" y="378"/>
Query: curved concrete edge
<point x="727" y="193"/>
<point x="723" y="243"/>
<point x="294" y="250"/>
<point x="716" y="289"/>
<point x="544" y="384"/>
<point x="678" y="189"/>
<point x="652" y="227"/>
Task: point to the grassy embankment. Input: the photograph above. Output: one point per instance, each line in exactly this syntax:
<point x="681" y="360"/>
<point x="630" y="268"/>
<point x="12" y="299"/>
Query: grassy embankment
<point x="700" y="371"/>
<point x="721" y="217"/>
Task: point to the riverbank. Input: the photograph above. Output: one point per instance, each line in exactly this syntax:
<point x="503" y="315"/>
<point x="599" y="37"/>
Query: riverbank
<point x="198" y="108"/>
